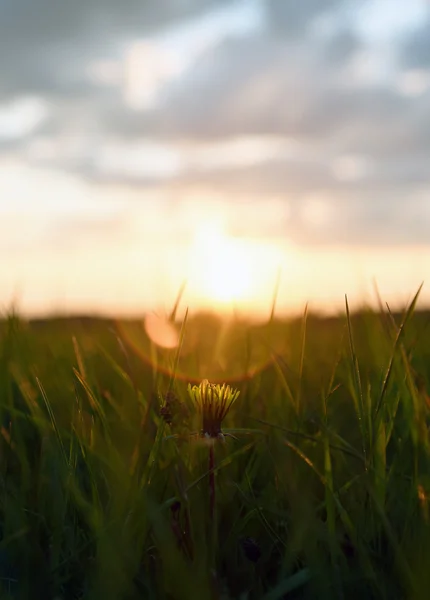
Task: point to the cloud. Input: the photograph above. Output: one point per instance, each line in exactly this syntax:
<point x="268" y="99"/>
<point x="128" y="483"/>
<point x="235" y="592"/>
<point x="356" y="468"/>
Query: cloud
<point x="303" y="75"/>
<point x="21" y="117"/>
<point x="294" y="18"/>
<point x="262" y="85"/>
<point x="231" y="90"/>
<point x="46" y="45"/>
<point x="353" y="218"/>
<point x="415" y="52"/>
<point x="341" y="46"/>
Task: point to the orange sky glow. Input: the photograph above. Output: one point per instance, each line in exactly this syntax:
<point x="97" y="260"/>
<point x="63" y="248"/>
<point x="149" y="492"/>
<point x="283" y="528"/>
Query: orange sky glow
<point x="232" y="149"/>
<point x="130" y="261"/>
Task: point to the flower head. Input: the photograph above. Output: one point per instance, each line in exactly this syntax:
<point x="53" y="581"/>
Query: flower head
<point x="214" y="402"/>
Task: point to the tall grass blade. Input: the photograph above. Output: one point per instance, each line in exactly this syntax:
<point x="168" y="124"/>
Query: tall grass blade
<point x="396" y="346"/>
<point x="174" y="311"/>
<point x="178" y="351"/>
<point x="302" y="360"/>
<point x="53" y="423"/>
<point x="358" y="391"/>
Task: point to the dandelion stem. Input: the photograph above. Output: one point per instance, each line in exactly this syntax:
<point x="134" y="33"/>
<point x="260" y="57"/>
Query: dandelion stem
<point x="212" y="482"/>
<point x="213" y="526"/>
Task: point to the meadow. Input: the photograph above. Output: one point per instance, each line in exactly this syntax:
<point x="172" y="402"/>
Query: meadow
<point x="318" y="486"/>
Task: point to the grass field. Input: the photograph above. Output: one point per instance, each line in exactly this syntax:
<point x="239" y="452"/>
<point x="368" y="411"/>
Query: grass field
<point x="108" y="490"/>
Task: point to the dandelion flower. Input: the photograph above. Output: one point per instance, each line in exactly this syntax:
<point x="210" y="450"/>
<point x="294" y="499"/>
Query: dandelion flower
<point x="213" y="401"/>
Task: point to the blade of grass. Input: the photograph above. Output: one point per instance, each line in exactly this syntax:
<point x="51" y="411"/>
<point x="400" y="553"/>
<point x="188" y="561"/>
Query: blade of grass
<point x="358" y="392"/>
<point x="302" y="360"/>
<point x="396" y="346"/>
<point x="174" y="311"/>
<point x="291" y="584"/>
<point x="178" y="351"/>
<point x="93" y="401"/>
<point x="330" y="506"/>
<point x="79" y="359"/>
<point x="275" y="296"/>
<point x="400" y="559"/>
<point x="53" y="423"/>
<point x="347" y="448"/>
<point x="284" y="382"/>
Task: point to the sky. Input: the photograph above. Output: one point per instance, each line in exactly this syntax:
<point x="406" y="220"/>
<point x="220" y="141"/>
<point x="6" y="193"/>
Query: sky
<point x="239" y="146"/>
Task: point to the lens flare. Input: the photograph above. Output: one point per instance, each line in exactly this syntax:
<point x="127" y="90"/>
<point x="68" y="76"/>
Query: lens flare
<point x="161" y="331"/>
<point x="217" y="349"/>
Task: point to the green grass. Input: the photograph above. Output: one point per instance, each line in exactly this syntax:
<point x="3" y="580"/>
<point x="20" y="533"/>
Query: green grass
<point x="322" y="490"/>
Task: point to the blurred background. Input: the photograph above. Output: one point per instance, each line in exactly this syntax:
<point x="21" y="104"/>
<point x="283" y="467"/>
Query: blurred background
<point x="235" y="145"/>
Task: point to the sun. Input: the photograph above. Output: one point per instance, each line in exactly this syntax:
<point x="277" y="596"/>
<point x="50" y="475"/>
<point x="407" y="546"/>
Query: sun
<point x="221" y="265"/>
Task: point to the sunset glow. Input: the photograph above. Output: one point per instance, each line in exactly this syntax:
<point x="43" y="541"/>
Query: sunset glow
<point x="221" y="268"/>
<point x="148" y="150"/>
